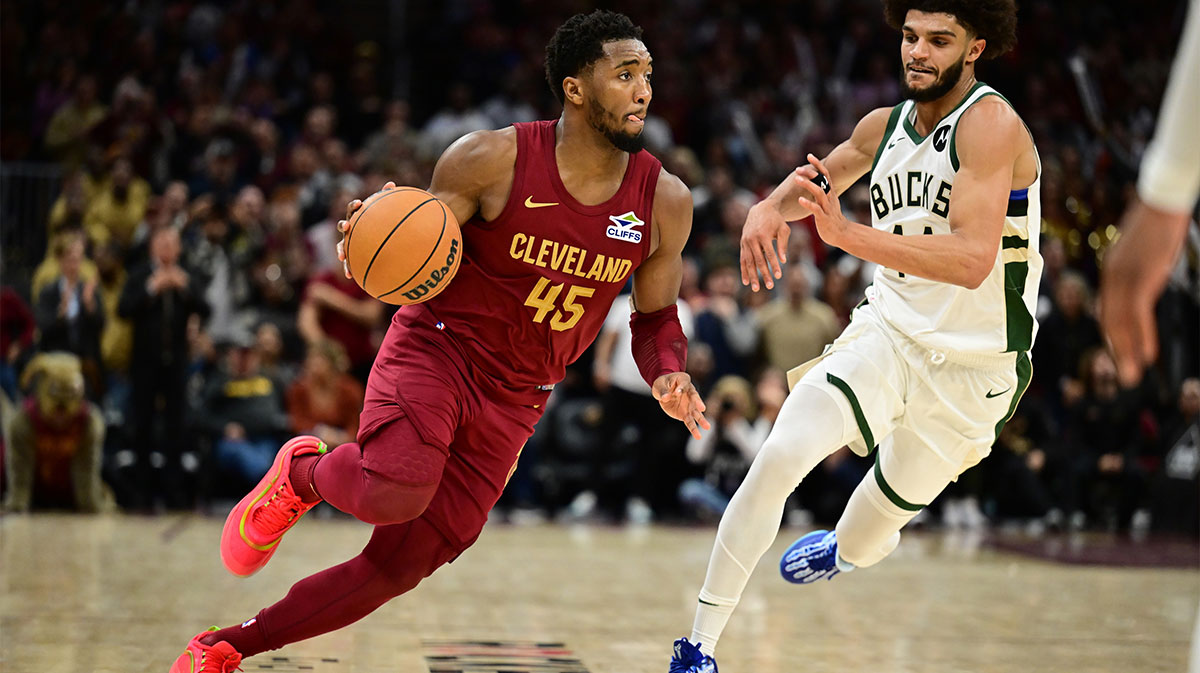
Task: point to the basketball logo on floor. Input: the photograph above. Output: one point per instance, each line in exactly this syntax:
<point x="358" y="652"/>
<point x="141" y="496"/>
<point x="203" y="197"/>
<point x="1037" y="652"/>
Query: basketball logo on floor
<point x="491" y="656"/>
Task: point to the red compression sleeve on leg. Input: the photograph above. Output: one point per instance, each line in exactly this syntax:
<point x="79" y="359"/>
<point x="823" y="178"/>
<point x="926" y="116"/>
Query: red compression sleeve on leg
<point x="659" y="346"/>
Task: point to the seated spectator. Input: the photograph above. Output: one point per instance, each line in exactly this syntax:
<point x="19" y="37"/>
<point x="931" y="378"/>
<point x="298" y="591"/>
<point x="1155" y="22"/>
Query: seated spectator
<point x="1177" y="484"/>
<point x="48" y="270"/>
<point x="70" y="315"/>
<point x="325" y="401"/>
<point x="243" y="411"/>
<point x="57" y="442"/>
<point x="1103" y="435"/>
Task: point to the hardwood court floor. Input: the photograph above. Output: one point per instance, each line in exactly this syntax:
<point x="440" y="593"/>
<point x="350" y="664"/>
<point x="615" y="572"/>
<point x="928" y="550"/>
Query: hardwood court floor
<point x="122" y="594"/>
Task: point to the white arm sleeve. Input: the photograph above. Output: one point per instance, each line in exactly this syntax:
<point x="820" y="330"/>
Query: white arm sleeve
<point x="1170" y="174"/>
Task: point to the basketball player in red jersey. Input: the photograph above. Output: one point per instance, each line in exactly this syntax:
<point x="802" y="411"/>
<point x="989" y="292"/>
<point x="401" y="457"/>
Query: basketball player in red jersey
<point x="557" y="215"/>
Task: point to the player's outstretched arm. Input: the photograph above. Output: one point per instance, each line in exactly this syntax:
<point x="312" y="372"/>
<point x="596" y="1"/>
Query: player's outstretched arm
<point x="1155" y="227"/>
<point x="474" y="175"/>
<point x="767" y="222"/>
<point x="989" y="139"/>
<point x="659" y="345"/>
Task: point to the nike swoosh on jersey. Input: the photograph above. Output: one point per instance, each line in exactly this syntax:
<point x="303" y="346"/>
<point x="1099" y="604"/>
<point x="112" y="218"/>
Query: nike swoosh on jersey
<point x="990" y="394"/>
<point x="530" y="203"/>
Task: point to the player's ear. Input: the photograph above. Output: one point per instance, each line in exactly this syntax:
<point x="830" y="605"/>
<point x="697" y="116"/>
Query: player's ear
<point x="573" y="90"/>
<point x="978" y="44"/>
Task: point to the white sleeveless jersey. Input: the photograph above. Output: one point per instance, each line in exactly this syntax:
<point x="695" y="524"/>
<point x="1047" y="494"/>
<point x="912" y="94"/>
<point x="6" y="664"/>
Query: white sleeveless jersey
<point x="911" y="183"/>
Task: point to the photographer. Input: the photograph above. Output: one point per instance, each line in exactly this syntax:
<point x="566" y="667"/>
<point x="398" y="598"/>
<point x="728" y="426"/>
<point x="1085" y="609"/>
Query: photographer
<point x="741" y="425"/>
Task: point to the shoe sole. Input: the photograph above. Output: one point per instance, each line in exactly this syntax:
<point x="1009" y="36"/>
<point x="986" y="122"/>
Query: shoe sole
<point x="807" y="540"/>
<point x="233" y="532"/>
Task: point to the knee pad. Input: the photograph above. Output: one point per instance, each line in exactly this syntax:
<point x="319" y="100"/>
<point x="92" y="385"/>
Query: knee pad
<point x="385" y="502"/>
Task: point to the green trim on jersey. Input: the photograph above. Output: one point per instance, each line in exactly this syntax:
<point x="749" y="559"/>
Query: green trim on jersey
<point x="1019" y="324"/>
<point x="887" y="133"/>
<point x="1024" y="376"/>
<point x="1012" y="242"/>
<point x="917" y="138"/>
<point x="1017" y="208"/>
<point x="891" y="493"/>
<point x="859" y="418"/>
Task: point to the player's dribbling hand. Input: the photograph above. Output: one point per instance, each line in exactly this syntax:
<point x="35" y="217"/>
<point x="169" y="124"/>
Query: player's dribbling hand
<point x="823" y="204"/>
<point x="344" y="227"/>
<point x="681" y="401"/>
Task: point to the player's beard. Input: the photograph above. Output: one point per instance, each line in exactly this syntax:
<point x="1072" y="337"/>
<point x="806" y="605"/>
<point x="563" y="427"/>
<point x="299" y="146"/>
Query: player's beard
<point x="940" y="87"/>
<point x="608" y="125"/>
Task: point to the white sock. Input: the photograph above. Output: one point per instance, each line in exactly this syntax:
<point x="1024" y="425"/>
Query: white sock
<point x="712" y="614"/>
<point x="811" y="425"/>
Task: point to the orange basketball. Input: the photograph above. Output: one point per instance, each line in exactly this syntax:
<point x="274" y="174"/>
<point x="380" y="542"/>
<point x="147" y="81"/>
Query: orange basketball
<point x="403" y="246"/>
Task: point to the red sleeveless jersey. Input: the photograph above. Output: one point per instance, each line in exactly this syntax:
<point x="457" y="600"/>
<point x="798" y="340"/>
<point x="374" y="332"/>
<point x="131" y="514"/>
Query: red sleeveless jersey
<point x="536" y="283"/>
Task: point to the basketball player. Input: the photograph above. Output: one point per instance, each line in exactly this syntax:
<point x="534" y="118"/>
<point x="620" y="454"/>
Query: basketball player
<point x="934" y="361"/>
<point x="1155" y="228"/>
<point x="557" y="214"/>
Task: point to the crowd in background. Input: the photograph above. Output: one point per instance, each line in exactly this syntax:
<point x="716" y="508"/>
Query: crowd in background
<point x="203" y="152"/>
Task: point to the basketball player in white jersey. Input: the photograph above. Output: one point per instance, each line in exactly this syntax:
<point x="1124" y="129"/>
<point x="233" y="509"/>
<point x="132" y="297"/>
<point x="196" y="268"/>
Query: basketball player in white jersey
<point x="936" y="358"/>
<point x="1155" y="226"/>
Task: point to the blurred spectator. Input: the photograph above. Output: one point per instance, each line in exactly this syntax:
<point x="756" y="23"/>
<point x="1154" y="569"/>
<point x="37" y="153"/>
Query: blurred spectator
<point x="637" y="473"/>
<point x="797" y="326"/>
<point x="116" y="340"/>
<point x="16" y="337"/>
<point x="324" y="236"/>
<point x="726" y="452"/>
<point x="71" y="205"/>
<point x="159" y="299"/>
<point x="118" y="206"/>
<point x="395" y="142"/>
<point x="336" y="307"/>
<point x="67" y="135"/>
<point x="730" y="332"/>
<point x="325" y="401"/>
<point x="243" y="411"/>
<point x="268" y="341"/>
<point x="57" y="441"/>
<point x="452" y="122"/>
<point x="70" y="315"/>
<point x="50" y="270"/>
<point x="1072" y="332"/>
<point x="1176" y="487"/>
<point x="221" y="257"/>
<point x="1102" y="429"/>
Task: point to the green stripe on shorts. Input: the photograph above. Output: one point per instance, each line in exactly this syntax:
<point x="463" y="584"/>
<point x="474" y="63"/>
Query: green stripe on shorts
<point x="891" y="493"/>
<point x="1024" y="376"/>
<point x="859" y="418"/>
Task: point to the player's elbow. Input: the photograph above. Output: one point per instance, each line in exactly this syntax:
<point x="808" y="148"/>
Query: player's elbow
<point x="976" y="271"/>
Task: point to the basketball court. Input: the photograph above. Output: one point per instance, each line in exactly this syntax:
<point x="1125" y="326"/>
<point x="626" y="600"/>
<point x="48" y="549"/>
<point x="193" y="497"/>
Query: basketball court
<point x="123" y="594"/>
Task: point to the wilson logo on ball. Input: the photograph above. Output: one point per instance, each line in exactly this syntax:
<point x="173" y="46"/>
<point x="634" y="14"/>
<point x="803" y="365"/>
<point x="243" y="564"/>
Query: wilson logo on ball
<point x="436" y="276"/>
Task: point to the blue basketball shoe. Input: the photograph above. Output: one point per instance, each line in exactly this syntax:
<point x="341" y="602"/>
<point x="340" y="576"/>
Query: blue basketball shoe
<point x="689" y="659"/>
<point x="811" y="558"/>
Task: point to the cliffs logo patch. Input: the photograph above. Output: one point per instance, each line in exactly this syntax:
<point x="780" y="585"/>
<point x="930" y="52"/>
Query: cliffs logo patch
<point x="622" y="228"/>
<point x="940" y="137"/>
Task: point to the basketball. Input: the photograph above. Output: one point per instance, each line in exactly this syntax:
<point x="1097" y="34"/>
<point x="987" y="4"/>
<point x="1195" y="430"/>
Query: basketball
<point x="403" y="246"/>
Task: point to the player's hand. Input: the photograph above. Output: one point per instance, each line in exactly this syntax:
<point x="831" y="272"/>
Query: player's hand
<point x="680" y="400"/>
<point x="1134" y="273"/>
<point x="344" y="227"/>
<point x="823" y="203"/>
<point x="764" y="245"/>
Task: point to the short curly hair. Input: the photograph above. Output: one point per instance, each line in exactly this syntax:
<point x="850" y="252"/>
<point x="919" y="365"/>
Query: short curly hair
<point x="993" y="20"/>
<point x="579" y="43"/>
